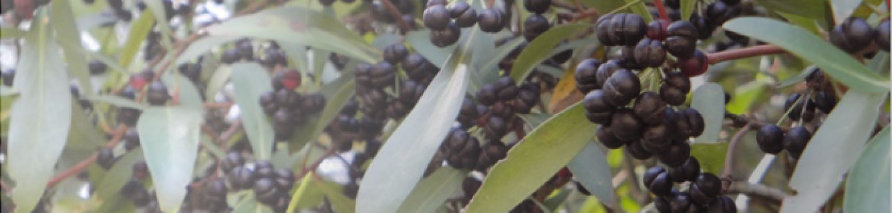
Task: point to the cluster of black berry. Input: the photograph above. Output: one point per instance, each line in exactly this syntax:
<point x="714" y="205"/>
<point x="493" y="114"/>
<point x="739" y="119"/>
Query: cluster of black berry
<point x="703" y="195"/>
<point x="377" y="90"/>
<point x="156" y="94"/>
<point x="287" y="107"/>
<point x="678" y="38"/>
<point x="381" y="13"/>
<point x="710" y="17"/>
<point x="497" y="105"/>
<point x="243" y="50"/>
<point x="117" y="7"/>
<point x="445" y="32"/>
<point x="800" y="107"/>
<point x="271" y="186"/>
<point x="854" y="35"/>
<point x="535" y="24"/>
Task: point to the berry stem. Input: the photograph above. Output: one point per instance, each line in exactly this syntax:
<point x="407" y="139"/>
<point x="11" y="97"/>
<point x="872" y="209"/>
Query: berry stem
<point x="661" y="9"/>
<point x="395" y="13"/>
<point x="734" y="54"/>
<point x="758" y="190"/>
<point x="732" y="144"/>
<point x="80" y="166"/>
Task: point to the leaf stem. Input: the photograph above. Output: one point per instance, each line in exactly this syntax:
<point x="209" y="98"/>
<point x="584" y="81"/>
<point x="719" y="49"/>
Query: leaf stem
<point x="80" y="166"/>
<point x="734" y="54"/>
<point x="661" y="9"/>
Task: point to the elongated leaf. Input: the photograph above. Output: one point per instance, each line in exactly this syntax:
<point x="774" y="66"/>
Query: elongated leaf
<point x="746" y="95"/>
<point x="533" y="161"/>
<point x="842" y="9"/>
<point x="337" y="93"/>
<point x="335" y="195"/>
<point x="433" y="190"/>
<point x="804" y="8"/>
<point x="603" y="7"/>
<point x="833" y="61"/>
<point x="798" y="78"/>
<point x="832" y="150"/>
<point x="250" y="205"/>
<point x="63" y="23"/>
<point x="421" y="131"/>
<point x="687" y="8"/>
<point x="217" y="81"/>
<point x="299" y="192"/>
<point x="113" y="180"/>
<point x="9" y="32"/>
<point x="117" y="101"/>
<point x="40" y="117"/>
<point x="867" y="187"/>
<point x="591" y="170"/>
<point x="533" y="55"/>
<point x="710" y="155"/>
<point x="201" y="46"/>
<point x="169" y="138"/>
<point x="249" y="81"/>
<point x="294" y="24"/>
<point x="156" y="8"/>
<point x="704" y="101"/>
<point x="639" y="8"/>
<point x="420" y="41"/>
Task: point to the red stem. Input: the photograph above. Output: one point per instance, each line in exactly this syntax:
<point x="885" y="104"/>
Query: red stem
<point x="661" y="9"/>
<point x="733" y="54"/>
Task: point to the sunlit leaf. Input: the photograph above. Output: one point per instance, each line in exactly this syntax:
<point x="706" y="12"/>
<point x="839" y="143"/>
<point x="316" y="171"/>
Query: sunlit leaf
<point x="169" y="138"/>
<point x="704" y="101"/>
<point x="867" y="187"/>
<point x="434" y="190"/>
<point x="249" y="81"/>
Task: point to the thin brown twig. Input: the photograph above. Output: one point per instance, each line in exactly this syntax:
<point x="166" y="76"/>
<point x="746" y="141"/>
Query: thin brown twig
<point x="732" y="148"/>
<point x="397" y="15"/>
<point x="733" y="54"/>
<point x="80" y="166"/>
<point x="591" y="12"/>
<point x="565" y="5"/>
<point x="758" y="190"/>
<point x="218" y="105"/>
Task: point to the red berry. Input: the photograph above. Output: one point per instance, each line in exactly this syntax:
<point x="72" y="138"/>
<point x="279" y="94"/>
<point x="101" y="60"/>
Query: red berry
<point x="695" y="65"/>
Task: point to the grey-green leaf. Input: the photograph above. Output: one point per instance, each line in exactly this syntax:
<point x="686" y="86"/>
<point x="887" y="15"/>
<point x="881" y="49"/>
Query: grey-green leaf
<point x="799" y="42"/>
<point x="867" y="187"/>
<point x="591" y="170"/>
<point x="832" y="150"/>
<point x="421" y="131"/>
<point x="169" y="138"/>
<point x="842" y="9"/>
<point x="433" y="190"/>
<point x="804" y="8"/>
<point x="533" y="55"/>
<point x="533" y="161"/>
<point x="704" y="101"/>
<point x="39" y="124"/>
<point x="420" y="41"/>
<point x="687" y="8"/>
<point x="249" y="81"/>
<point x="63" y="23"/>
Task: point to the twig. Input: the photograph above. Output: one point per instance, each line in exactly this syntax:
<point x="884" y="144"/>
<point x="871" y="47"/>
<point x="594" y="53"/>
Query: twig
<point x="218" y="105"/>
<point x="77" y="168"/>
<point x="395" y="13"/>
<point x="661" y="9"/>
<point x="591" y="12"/>
<point x="313" y="166"/>
<point x="180" y="47"/>
<point x="732" y="148"/>
<point x="733" y="54"/>
<point x="758" y="190"/>
<point x="565" y="5"/>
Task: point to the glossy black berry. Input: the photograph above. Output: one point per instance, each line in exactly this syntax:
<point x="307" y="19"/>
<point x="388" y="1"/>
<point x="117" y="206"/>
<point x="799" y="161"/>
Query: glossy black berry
<point x="585" y="75"/>
<point x="313" y="103"/>
<point x="598" y="110"/>
<point x="395" y="53"/>
<point x="695" y="122"/>
<point x="490" y="20"/>
<point x="723" y="204"/>
<point x="232" y="160"/>
<point x="463" y="149"/>
<point x="464" y="15"/>
<point x="852" y="35"/>
<point x="264" y="169"/>
<point x="704" y="25"/>
<point x="537" y="6"/>
<point x="418" y="68"/>
<point x="446" y="36"/>
<point x="794" y="106"/>
<point x="157" y="94"/>
<point x="686" y="172"/>
<point x="431" y="3"/>
<point x="470" y="186"/>
<point x="882" y="35"/>
<point x="534" y="26"/>
<point x="266" y="191"/>
<point x="681" y="40"/>
<point x="709" y="184"/>
<point x="97" y="67"/>
<point x="695" y="65"/>
<point x="436" y="17"/>
<point x="490" y="154"/>
<point x="131" y="139"/>
<point x="657" y="139"/>
<point x="795" y="141"/>
<point x="650" y="108"/>
<point x="656" y="29"/>
<point x="284" y="179"/>
<point x="105" y="158"/>
<point x="770" y="139"/>
<point x="649" y="53"/>
<point x="661" y="185"/>
<point x="825" y="101"/>
<point x="606" y="70"/>
<point x="622" y="87"/>
<point x="506" y="88"/>
<point x="676" y="155"/>
<point x="651" y="173"/>
<point x="230" y="56"/>
<point x="625" y="125"/>
<point x="621" y="29"/>
<point x="637" y="151"/>
<point x="241" y="178"/>
<point x="605" y="136"/>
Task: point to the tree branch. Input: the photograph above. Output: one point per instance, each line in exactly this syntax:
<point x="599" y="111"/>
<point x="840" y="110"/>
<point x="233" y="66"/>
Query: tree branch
<point x="733" y="54"/>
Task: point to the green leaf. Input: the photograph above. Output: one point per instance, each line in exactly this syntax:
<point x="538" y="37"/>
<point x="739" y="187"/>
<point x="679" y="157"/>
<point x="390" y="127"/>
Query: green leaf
<point x="639" y="8"/>
<point x="156" y="7"/>
<point x="169" y="138"/>
<point x="591" y="170"/>
<point x="704" y="101"/>
<point x="421" y="43"/>
<point x="111" y="183"/>
<point x="294" y="24"/>
<point x="832" y="150"/>
<point x="798" y="78"/>
<point x="387" y="39"/>
<point x="421" y="131"/>
<point x="603" y="7"/>
<point x="300" y="191"/>
<point x="746" y="95"/>
<point x="40" y="117"/>
<point x="533" y="55"/>
<point x="808" y="23"/>
<point x="833" y="61"/>
<point x="842" y="9"/>
<point x="555" y="201"/>
<point x="63" y="23"/>
<point x="337" y="94"/>
<point x="202" y="45"/>
<point x="533" y="161"/>
<point x="867" y="187"/>
<point x="249" y="81"/>
<point x="434" y="190"/>
<point x="250" y="205"/>
<point x="710" y="155"/>
<point x="117" y="101"/>
<point x="217" y="81"/>
<point x="687" y="8"/>
<point x="188" y="94"/>
<point x="139" y="31"/>
<point x="804" y="8"/>
<point x="9" y="33"/>
<point x="335" y="195"/>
